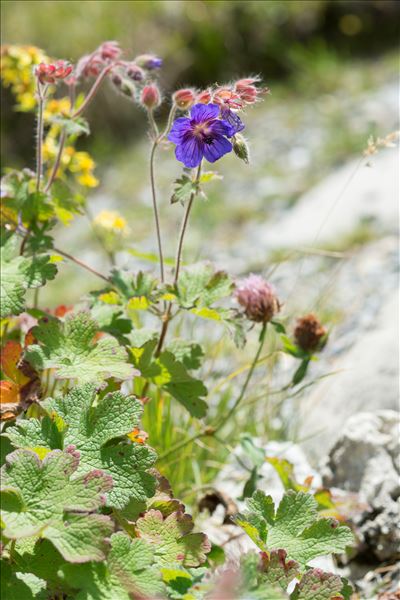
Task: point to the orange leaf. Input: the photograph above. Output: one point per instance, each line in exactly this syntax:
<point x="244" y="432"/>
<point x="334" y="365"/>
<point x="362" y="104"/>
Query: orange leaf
<point x="29" y="338"/>
<point x="10" y="356"/>
<point x="9" y="392"/>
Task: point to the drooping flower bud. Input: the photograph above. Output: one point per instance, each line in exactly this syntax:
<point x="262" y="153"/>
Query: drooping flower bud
<point x="204" y="97"/>
<point x="134" y="72"/>
<point x="149" y="61"/>
<point x="150" y="96"/>
<point x="109" y="50"/>
<point x="258" y="298"/>
<point x="125" y="87"/>
<point x="247" y="90"/>
<point x="184" y="98"/>
<point x="225" y="97"/>
<point x="53" y="72"/>
<point x="241" y="148"/>
<point x="309" y="334"/>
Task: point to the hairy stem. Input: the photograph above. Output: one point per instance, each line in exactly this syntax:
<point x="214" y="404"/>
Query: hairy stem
<point x="82" y="264"/>
<point x="41" y="92"/>
<point x="167" y="314"/>
<point x="57" y="162"/>
<point x="185" y="221"/>
<point x="246" y="382"/>
<point x="93" y="90"/>
<point x="155" y="209"/>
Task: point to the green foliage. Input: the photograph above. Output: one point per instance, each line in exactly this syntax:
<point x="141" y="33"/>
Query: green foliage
<point x="172" y="539"/>
<point x="95" y="427"/>
<point x="129" y="569"/>
<point x="294" y="526"/>
<point x="171" y="374"/>
<point x="19" y="273"/>
<point x="42" y="498"/>
<point x="69" y="348"/>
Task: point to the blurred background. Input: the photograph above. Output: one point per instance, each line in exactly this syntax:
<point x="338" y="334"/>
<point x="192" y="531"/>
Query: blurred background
<point x="311" y="212"/>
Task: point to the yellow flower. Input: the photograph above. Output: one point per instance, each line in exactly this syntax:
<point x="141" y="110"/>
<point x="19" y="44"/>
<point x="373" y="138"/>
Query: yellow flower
<point x="112" y="221"/>
<point x="16" y="71"/>
<point x="87" y="180"/>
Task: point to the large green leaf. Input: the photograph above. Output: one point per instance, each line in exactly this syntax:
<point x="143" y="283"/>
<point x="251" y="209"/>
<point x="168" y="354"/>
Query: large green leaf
<point x="294" y="526"/>
<point x="95" y="427"/>
<point x="70" y="349"/>
<point x="18" y="274"/>
<point x="47" y="499"/>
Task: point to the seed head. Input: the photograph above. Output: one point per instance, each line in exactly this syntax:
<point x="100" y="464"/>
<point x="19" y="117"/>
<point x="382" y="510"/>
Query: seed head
<point x="184" y="98"/>
<point x="309" y="334"/>
<point x="258" y="298"/>
<point x="150" y="96"/>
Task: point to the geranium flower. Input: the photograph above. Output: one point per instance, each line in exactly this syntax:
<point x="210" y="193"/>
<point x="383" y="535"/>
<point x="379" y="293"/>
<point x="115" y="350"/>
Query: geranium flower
<point x="202" y="135"/>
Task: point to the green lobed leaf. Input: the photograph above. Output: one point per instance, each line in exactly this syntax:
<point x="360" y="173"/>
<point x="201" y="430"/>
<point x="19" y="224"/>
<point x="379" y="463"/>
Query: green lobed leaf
<point x="70" y="349"/>
<point x="294" y="526"/>
<point x="189" y="354"/>
<point x="18" y="586"/>
<point x="169" y="373"/>
<point x="47" y="499"/>
<point x="128" y="573"/>
<point x="18" y="274"/>
<point x="172" y="538"/>
<point x="318" y="585"/>
<point x="200" y="285"/>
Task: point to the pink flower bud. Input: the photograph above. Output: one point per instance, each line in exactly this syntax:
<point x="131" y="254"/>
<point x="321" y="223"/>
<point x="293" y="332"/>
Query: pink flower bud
<point x="109" y="51"/>
<point x="203" y="97"/>
<point x="184" y="98"/>
<point x="225" y="97"/>
<point x="248" y="92"/>
<point x="150" y="96"/>
<point x="53" y="72"/>
<point x="258" y="298"/>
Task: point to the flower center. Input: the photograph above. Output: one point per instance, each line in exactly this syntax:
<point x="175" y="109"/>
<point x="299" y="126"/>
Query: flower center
<point x="203" y="132"/>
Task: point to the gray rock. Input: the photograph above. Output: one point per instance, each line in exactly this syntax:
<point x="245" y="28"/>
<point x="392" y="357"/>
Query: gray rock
<point x="363" y="460"/>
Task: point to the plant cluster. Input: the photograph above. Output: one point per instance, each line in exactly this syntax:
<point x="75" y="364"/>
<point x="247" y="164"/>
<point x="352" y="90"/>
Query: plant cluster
<point x="87" y="512"/>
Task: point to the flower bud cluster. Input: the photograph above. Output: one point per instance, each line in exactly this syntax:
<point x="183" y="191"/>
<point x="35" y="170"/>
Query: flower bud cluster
<point x="53" y="72"/>
<point x="258" y="298"/>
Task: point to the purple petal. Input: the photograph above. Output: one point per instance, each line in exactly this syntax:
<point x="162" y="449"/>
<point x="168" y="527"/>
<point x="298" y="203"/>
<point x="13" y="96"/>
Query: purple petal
<point x="204" y="112"/>
<point x="178" y="129"/>
<point x="221" y="128"/>
<point x="218" y="147"/>
<point x="233" y="120"/>
<point x="190" y="151"/>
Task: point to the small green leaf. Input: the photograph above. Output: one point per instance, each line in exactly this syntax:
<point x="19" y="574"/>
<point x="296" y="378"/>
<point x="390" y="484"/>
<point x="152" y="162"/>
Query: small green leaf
<point x="19" y="273"/>
<point x="70" y="349"/>
<point x="184" y="187"/>
<point x="301" y="371"/>
<point x="318" y="585"/>
<point x="188" y="353"/>
<point x="172" y="539"/>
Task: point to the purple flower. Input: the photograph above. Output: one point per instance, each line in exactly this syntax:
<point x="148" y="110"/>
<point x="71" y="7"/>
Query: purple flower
<point x="233" y="119"/>
<point x="202" y="135"/>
